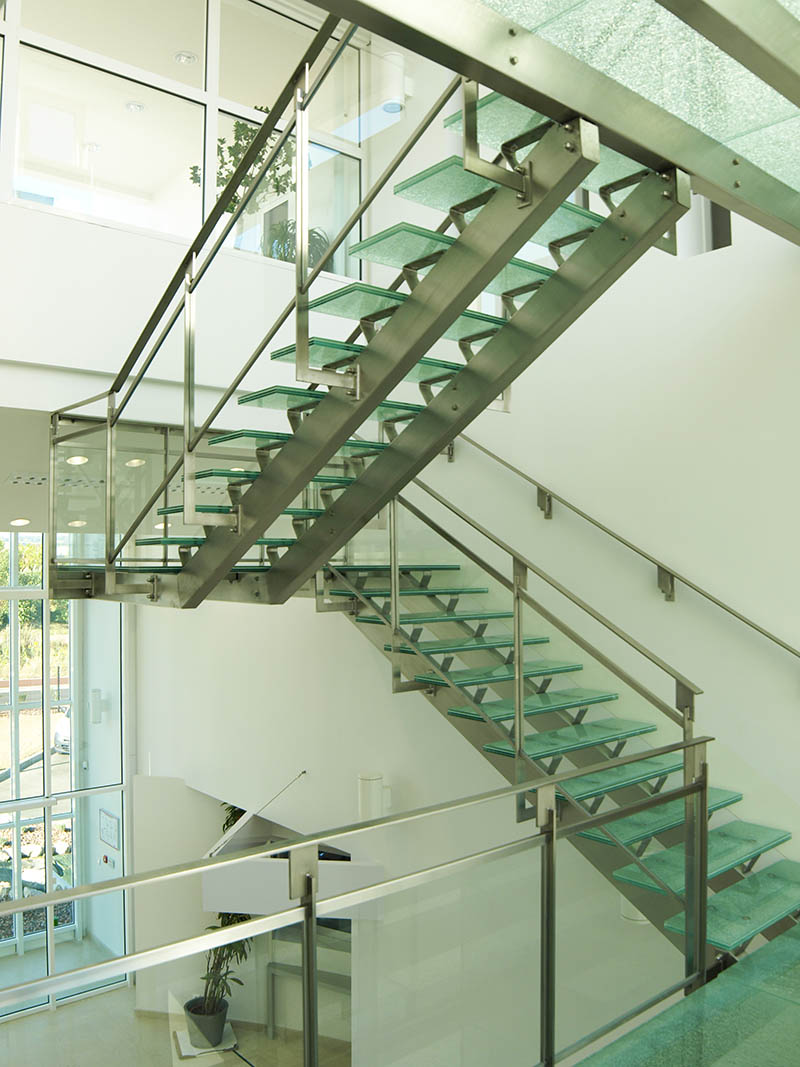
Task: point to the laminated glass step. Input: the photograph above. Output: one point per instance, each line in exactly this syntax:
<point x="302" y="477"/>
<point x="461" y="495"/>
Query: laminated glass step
<point x="434" y="188"/>
<point x="501" y="119"/>
<point x="359" y="300"/>
<point x="221" y="509"/>
<point x="404" y="243"/>
<point x="601" y="782"/>
<point x="504" y="672"/>
<point x="549" y="743"/>
<point x="404" y="568"/>
<point x="467" y="644"/>
<point x="195" y="542"/>
<point x="536" y="704"/>
<point x="220" y="474"/>
<point x="385" y="594"/>
<point x="742" y="910"/>
<point x="265" y="438"/>
<point x="729" y="846"/>
<point x="658" y="819"/>
<point x="322" y="353"/>
<point x="431" y="618"/>
<point x="289" y="398"/>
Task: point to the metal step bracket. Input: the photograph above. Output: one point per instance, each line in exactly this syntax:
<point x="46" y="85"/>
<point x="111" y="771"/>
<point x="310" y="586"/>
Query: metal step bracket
<point x="519" y="178"/>
<point x="669" y="242"/>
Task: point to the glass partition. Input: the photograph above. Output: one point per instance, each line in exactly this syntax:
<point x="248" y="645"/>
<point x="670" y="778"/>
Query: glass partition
<point x="91" y="143"/>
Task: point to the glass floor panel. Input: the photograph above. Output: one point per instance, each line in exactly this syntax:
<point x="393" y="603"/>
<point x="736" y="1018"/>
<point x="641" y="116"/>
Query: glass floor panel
<point x="265" y="438"/>
<point x="651" y="51"/>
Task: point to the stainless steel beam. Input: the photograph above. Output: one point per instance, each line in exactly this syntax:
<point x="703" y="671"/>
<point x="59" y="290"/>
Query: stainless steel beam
<point x="561" y="160"/>
<point x="613" y="247"/>
<point x="763" y="36"/>
<point x="468" y="37"/>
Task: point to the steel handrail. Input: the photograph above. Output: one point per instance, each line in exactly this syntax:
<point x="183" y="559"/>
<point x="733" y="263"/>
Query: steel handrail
<point x="191" y="867"/>
<point x="643" y="650"/>
<point x="676" y="575"/>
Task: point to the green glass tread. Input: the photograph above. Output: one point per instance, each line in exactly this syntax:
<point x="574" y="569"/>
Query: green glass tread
<point x="404" y="243"/>
<point x="449" y="591"/>
<point x="742" y="910"/>
<point x="774" y="968"/>
<point x="228" y="475"/>
<point x="467" y="644"/>
<point x="501" y="119"/>
<point x="359" y="299"/>
<point x="728" y="847"/>
<point x="404" y="568"/>
<point x="601" y="782"/>
<point x="550" y="743"/>
<point x="724" y="1024"/>
<point x="195" y="542"/>
<point x="221" y="509"/>
<point x="658" y="819"/>
<point x="431" y="618"/>
<point x="289" y="398"/>
<point x="322" y="353"/>
<point x="536" y="704"/>
<point x="435" y="187"/>
<point x="265" y="438"/>
<point x="504" y="672"/>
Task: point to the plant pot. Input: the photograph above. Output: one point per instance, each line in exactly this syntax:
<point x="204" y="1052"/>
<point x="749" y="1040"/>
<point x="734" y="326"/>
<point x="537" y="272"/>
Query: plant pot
<point x="205" y="1031"/>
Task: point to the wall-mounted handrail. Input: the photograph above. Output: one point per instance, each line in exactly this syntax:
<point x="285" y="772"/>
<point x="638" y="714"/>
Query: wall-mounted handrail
<point x="676" y="575"/>
<point x="545" y="612"/>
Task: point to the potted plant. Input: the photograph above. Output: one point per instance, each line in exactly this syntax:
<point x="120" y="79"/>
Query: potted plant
<point x="278" y="239"/>
<point x="206" y="1014"/>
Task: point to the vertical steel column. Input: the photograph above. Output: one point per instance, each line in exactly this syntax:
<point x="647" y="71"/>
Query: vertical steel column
<point x="301" y="227"/>
<point x="695" y="771"/>
<point x="546" y="821"/>
<point x="394" y="590"/>
<point x="520" y="579"/>
<point x="303" y="875"/>
<point x="111" y="437"/>
<point x="51" y="497"/>
<point x="189" y="341"/>
<point x="165" y="527"/>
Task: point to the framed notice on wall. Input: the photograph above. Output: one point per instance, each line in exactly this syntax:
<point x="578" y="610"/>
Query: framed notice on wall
<point x="109" y="829"/>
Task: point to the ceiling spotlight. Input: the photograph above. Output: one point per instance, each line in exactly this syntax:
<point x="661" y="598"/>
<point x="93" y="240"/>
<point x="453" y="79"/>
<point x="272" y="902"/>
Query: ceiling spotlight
<point x="136" y="107"/>
<point x="77" y="461"/>
<point x="20" y="522"/>
<point x="92" y="146"/>
<point x="77" y="523"/>
<point x="135" y="463"/>
<point x="186" y="58"/>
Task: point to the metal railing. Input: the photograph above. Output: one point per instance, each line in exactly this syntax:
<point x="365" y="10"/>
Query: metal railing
<point x="667" y="574"/>
<point x="178" y="297"/>
<point x="304" y="885"/>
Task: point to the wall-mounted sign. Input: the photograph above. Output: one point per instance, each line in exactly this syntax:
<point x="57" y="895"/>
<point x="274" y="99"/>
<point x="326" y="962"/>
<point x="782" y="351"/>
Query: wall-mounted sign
<point x="109" y="829"/>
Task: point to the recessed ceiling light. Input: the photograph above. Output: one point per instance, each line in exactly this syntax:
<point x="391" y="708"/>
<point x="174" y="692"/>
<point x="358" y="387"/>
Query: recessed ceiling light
<point x="135" y="463"/>
<point x="186" y="58"/>
<point x="77" y="523"/>
<point x="20" y="522"/>
<point x="77" y="461"/>
<point x="163" y="525"/>
<point x="92" y="146"/>
<point x="136" y="107"/>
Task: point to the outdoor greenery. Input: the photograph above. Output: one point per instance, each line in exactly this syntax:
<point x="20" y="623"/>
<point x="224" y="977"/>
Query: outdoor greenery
<point x="278" y="240"/>
<point x="29" y="568"/>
